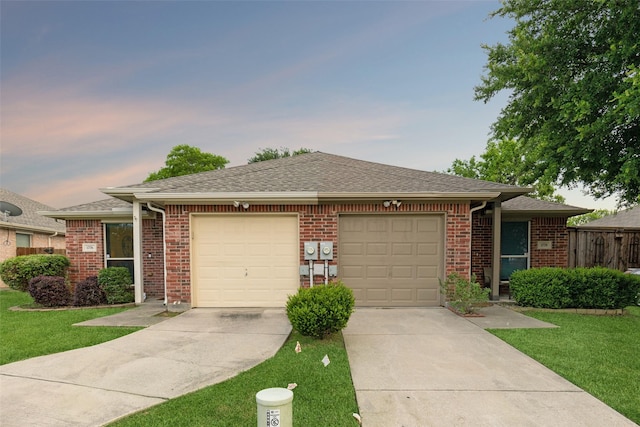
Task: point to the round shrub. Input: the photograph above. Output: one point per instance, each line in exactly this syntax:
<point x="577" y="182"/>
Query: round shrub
<point x="116" y="283"/>
<point x="17" y="271"/>
<point x="49" y="291"/>
<point x="88" y="292"/>
<point x="321" y="310"/>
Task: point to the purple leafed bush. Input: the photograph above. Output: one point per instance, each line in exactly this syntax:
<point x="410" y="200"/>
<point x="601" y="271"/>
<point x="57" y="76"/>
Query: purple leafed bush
<point x="88" y="292"/>
<point x="49" y="291"/>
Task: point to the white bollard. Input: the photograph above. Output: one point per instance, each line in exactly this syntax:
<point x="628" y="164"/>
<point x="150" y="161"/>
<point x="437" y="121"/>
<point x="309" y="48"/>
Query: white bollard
<point x="275" y="407"/>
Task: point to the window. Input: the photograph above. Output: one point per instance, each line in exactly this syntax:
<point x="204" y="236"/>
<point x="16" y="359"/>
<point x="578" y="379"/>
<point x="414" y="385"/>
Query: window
<point x="23" y="240"/>
<point x="119" y="245"/>
<point x="514" y="245"/>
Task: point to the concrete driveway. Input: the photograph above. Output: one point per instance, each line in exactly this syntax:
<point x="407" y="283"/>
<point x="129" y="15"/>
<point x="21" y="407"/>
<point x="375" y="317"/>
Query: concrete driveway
<point x="430" y="367"/>
<point x="94" y="385"/>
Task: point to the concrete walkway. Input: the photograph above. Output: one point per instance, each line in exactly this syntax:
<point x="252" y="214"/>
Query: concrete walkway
<point x="95" y="385"/>
<point x="430" y="367"/>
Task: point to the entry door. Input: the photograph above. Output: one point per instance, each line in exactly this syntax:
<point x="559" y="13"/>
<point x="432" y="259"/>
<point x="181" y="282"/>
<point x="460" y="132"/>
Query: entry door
<point x="514" y="246"/>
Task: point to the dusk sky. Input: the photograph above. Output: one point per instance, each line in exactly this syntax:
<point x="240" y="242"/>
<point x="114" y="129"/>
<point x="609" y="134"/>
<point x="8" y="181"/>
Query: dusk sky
<point x="95" y="94"/>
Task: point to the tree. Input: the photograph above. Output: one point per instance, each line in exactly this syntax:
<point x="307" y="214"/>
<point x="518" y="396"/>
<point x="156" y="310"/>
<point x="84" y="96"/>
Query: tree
<point x="588" y="217"/>
<point x="184" y="160"/>
<point x="572" y="69"/>
<point x="504" y="162"/>
<point x="274" y="153"/>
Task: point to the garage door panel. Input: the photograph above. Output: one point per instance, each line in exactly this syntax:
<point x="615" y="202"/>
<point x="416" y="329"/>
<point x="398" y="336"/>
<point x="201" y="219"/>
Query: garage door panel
<point x="403" y="259"/>
<point x="244" y="261"/>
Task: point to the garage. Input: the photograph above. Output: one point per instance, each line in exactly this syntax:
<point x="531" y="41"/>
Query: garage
<point x="244" y="260"/>
<point x="392" y="260"/>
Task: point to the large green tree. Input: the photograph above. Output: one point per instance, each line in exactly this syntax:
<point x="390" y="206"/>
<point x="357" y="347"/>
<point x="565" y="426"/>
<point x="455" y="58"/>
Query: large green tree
<point x="276" y="153"/>
<point x="503" y="162"/>
<point x="572" y="71"/>
<point x="184" y="160"/>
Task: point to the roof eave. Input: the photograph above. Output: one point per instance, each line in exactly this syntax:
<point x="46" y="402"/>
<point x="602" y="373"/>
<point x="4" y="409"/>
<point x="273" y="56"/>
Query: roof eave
<point x="103" y="214"/>
<point x="34" y="228"/>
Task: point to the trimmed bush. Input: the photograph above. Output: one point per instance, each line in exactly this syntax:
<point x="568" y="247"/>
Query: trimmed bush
<point x="463" y="295"/>
<point x="116" y="283"/>
<point x="598" y="287"/>
<point x="88" y="292"/>
<point x="49" y="291"/>
<point x="17" y="271"/>
<point x="321" y="310"/>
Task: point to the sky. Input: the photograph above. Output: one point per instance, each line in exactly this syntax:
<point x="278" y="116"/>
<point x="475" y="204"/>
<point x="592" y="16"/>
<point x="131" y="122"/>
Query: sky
<point x="95" y="94"/>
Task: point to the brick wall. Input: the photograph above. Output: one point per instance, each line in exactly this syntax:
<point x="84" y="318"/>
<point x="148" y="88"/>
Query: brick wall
<point x="85" y="264"/>
<point x="316" y="223"/>
<point x="546" y="229"/>
<point x="552" y="230"/>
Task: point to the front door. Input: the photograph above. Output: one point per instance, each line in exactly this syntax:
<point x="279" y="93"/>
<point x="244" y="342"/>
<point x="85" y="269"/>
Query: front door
<point x="514" y="248"/>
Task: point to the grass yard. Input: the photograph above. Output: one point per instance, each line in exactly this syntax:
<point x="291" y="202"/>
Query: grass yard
<point x="600" y="354"/>
<point x="324" y="395"/>
<point x="26" y="334"/>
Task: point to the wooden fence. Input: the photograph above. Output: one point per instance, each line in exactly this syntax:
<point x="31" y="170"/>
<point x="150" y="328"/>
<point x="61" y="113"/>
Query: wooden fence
<point x="617" y="249"/>
<point x="32" y="251"/>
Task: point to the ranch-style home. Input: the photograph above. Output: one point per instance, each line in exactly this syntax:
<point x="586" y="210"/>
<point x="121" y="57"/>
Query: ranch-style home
<point x="248" y="236"/>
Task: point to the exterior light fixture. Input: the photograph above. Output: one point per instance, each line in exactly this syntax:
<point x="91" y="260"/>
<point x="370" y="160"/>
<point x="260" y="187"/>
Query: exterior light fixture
<point x="236" y="204"/>
<point x="245" y="205"/>
<point x="387" y="203"/>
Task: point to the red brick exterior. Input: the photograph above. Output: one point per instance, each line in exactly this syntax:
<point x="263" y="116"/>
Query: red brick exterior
<point x="549" y="229"/>
<point x="85" y="264"/>
<point x="316" y="223"/>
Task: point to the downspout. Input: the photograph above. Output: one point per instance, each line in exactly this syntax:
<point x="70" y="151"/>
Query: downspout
<point x="471" y="211"/>
<point x="164" y="247"/>
<point x="51" y="237"/>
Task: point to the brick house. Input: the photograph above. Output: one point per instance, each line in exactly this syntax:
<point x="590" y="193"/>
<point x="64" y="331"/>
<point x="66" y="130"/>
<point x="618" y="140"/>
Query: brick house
<point x="27" y="232"/>
<point x="251" y="235"/>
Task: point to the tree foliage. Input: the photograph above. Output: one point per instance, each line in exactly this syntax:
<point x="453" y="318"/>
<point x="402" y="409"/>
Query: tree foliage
<point x="503" y="162"/>
<point x="572" y="69"/>
<point x="275" y="153"/>
<point x="184" y="160"/>
<point x="588" y="217"/>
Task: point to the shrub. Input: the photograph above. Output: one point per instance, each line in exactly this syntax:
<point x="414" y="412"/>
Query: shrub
<point x="464" y="295"/>
<point x="541" y="288"/>
<point x="49" y="291"/>
<point x="17" y="271"/>
<point x="597" y="287"/>
<point x="89" y="292"/>
<point x="321" y="310"/>
<point x="116" y="284"/>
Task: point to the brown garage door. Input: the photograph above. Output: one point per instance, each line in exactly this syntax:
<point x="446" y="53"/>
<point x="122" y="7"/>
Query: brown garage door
<point x="392" y="260"/>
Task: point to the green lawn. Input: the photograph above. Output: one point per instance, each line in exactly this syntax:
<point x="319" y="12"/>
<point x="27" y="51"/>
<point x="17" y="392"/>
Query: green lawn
<point x="25" y="334"/>
<point x="600" y="354"/>
<point x="324" y="395"/>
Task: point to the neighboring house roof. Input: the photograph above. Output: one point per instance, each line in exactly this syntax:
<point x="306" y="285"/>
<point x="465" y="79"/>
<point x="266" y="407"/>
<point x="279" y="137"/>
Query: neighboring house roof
<point x="626" y="219"/>
<point x="315" y="176"/>
<point x="29" y="220"/>
<point x="536" y="206"/>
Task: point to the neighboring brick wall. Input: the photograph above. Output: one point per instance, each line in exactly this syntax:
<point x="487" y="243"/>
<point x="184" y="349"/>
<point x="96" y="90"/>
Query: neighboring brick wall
<point x="152" y="249"/>
<point x="316" y="223"/>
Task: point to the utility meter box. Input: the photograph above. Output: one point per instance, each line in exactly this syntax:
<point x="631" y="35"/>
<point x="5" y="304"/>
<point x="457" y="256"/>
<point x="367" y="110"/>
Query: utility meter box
<point x="326" y="250"/>
<point x="311" y="250"/>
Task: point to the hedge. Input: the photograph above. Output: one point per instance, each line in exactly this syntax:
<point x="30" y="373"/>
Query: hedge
<point x="17" y="271"/>
<point x="597" y="287"/>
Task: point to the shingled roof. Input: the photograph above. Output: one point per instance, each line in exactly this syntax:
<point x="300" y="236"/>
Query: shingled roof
<point x="627" y="219"/>
<point x="29" y="220"/>
<point x="318" y="173"/>
<point x="536" y="206"/>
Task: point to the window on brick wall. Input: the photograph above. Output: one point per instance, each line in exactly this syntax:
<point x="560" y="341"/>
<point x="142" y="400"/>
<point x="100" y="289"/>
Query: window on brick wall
<point x="23" y="240"/>
<point x="119" y="245"/>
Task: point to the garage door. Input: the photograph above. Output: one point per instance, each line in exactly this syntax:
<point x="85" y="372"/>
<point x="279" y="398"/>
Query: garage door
<point x="244" y="261"/>
<point x="392" y="260"/>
